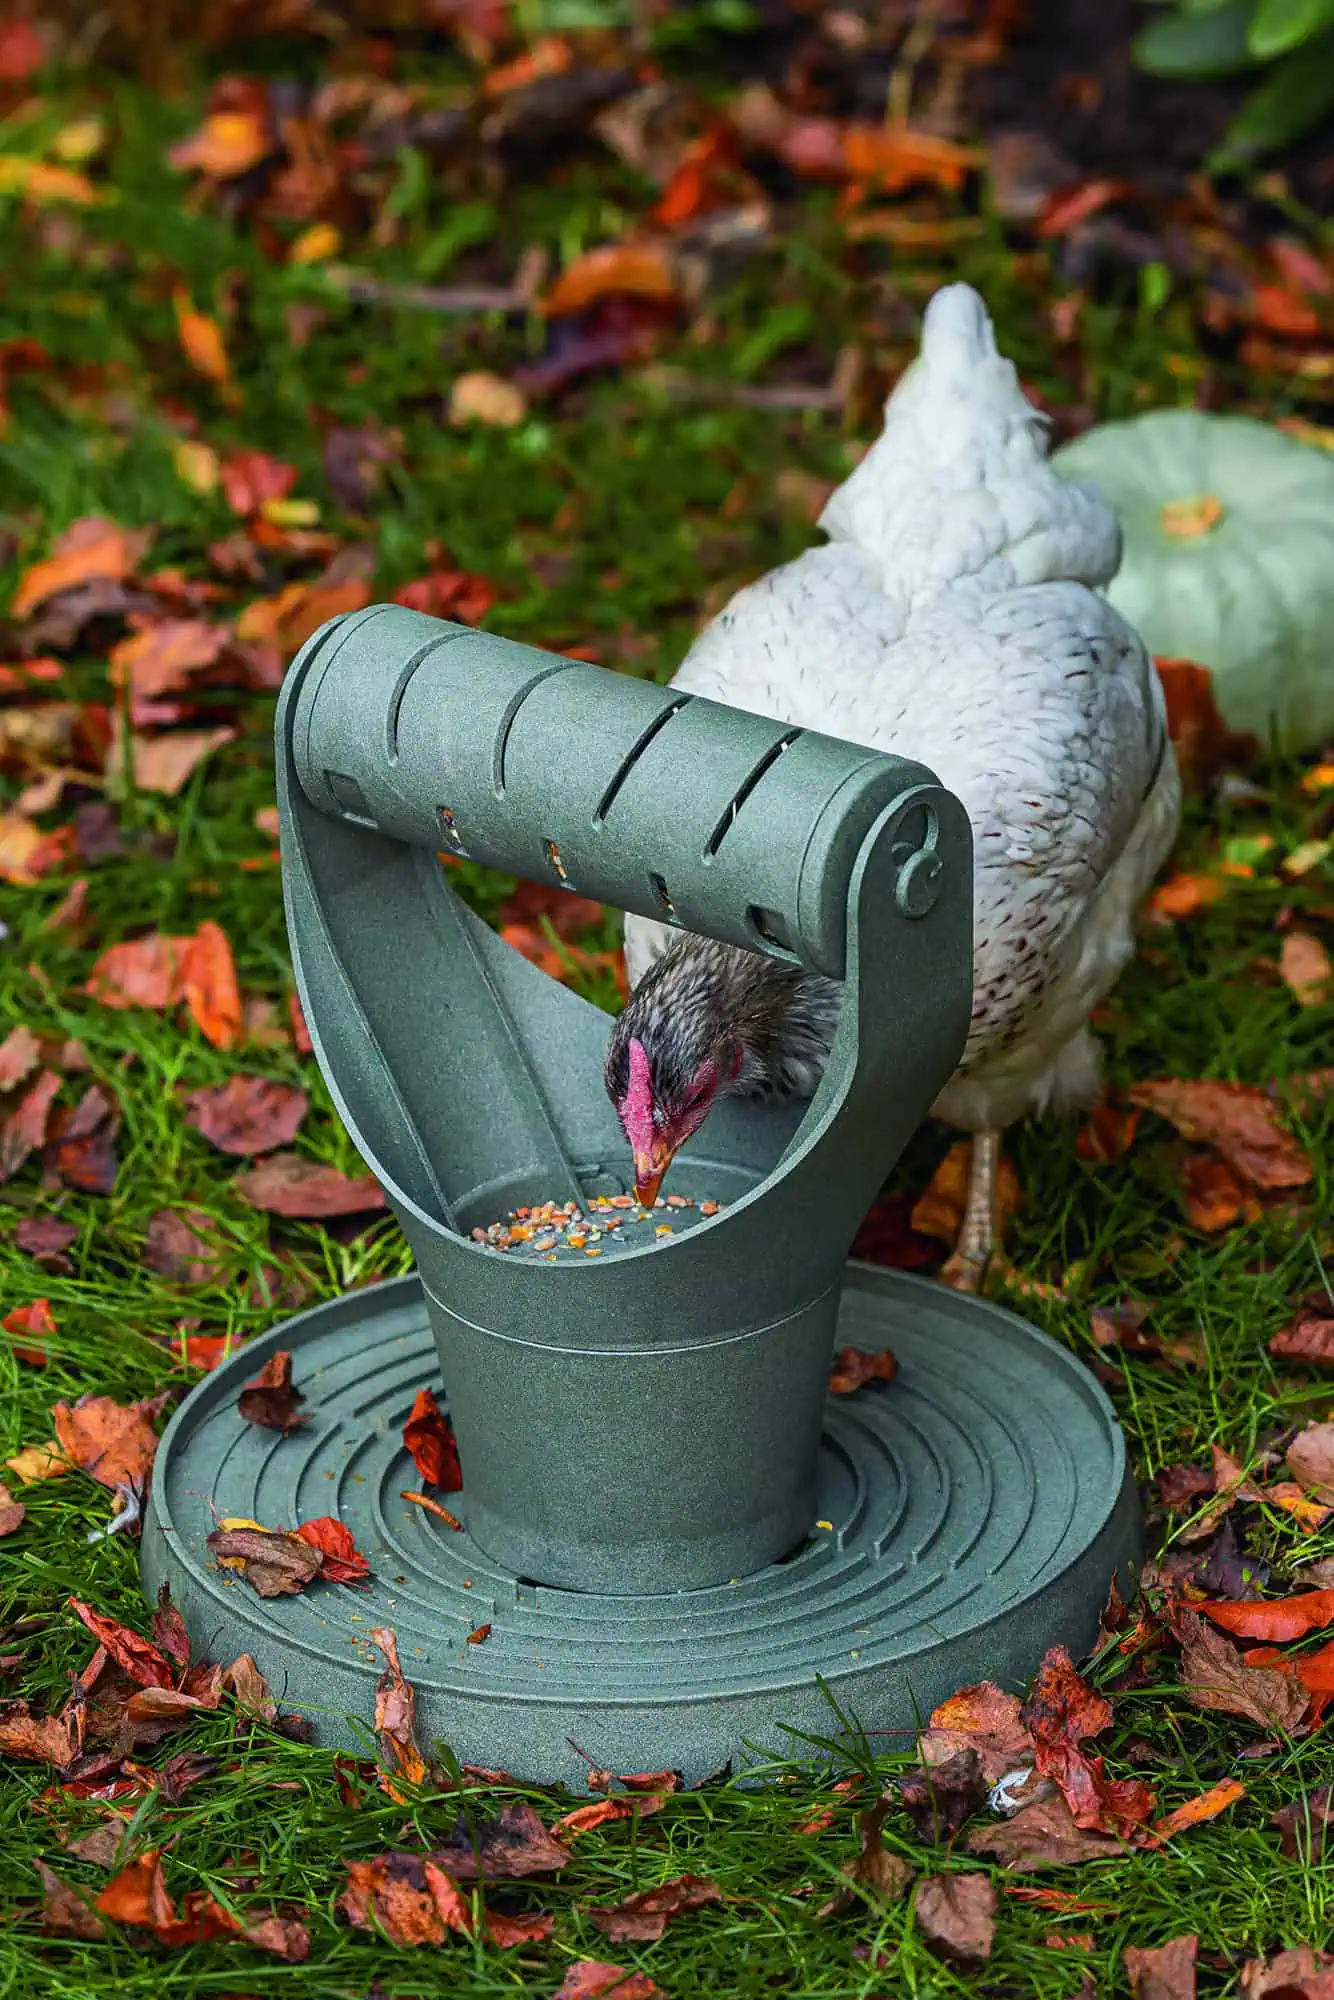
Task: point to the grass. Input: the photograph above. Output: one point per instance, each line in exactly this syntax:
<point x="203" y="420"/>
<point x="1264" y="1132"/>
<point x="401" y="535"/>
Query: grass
<point x="613" y="518"/>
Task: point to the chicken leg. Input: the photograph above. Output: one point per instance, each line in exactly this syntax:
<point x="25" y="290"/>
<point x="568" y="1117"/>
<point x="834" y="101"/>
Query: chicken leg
<point x="967" y="1267"/>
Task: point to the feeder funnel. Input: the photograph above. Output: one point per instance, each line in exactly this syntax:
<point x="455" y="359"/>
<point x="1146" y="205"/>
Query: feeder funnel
<point x="672" y="1535"/>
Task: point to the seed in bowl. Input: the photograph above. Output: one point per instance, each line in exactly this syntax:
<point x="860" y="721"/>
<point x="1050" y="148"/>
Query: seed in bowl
<point x="544" y="1227"/>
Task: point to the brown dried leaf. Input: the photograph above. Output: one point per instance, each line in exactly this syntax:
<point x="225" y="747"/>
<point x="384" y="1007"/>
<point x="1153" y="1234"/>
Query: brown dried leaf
<point x="164" y="763"/>
<point x="939" y="1799"/>
<point x="64" y="1911"/>
<point x="1300" y="1974"/>
<point x="594" y="1979"/>
<point x="1043" y="1835"/>
<point x="244" y="1680"/>
<point x="34" y="1739"/>
<point x="1304" y="1825"/>
<point x="114" y="1443"/>
<point x="509" y="1848"/>
<point x="306" y="1190"/>
<point x="1214" y="1197"/>
<point x="1164" y="1971"/>
<point x="25" y="1128"/>
<point x="274" y="1565"/>
<point x="644" y="1916"/>
<point x="1061" y="1711"/>
<point x="176" y="1248"/>
<point x="877" y="1869"/>
<point x="956" y="1914"/>
<point x="984" y="1719"/>
<point x="12" y="1513"/>
<point x="20" y="1053"/>
<point x="248" y="1114"/>
<point x="1305" y="967"/>
<point x="396" y="1719"/>
<point x="270" y="1400"/>
<point x="1214" y="1676"/>
<point x="1310" y="1459"/>
<point x="1309" y="1337"/>
<point x="1238" y="1120"/>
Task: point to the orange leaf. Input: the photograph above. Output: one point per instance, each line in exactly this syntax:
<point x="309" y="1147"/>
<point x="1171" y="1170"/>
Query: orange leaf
<point x="430" y="1438"/>
<point x="1207" y="1806"/>
<point x="1304" y="964"/>
<point x="164" y="764"/>
<point x="142" y="972"/>
<point x="114" y="1443"/>
<point x="1183" y="896"/>
<point x="343" y="1560"/>
<point x="201" y="342"/>
<point x="160" y="659"/>
<point x="642" y="269"/>
<point x="210" y="990"/>
<point x="894" y="158"/>
<point x="939" y="1210"/>
<point x="1065" y="211"/>
<point x="1215" y="1198"/>
<point x="1238" y="1120"/>
<point x="91" y="548"/>
<point x="1276" y="1620"/>
<point x="228" y="143"/>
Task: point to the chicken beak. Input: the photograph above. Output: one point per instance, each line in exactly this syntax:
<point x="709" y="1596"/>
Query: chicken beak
<point x="650" y="1171"/>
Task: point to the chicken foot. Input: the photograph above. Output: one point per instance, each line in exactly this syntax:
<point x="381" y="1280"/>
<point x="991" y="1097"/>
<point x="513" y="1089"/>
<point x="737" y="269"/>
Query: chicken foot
<point x="976" y="1244"/>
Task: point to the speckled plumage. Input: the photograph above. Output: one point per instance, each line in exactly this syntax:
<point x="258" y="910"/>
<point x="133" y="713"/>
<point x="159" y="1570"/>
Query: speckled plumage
<point x="954" y="616"/>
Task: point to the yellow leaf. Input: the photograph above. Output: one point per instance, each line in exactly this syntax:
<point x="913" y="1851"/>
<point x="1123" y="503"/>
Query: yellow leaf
<point x="201" y="342"/>
<point x="1305" y="857"/>
<point x="83" y="140"/>
<point x="38" y="1461"/>
<point x="196" y="464"/>
<point x="19" y="841"/>
<point x="41" y="183"/>
<point x="321" y="240"/>
<point x="291" y="513"/>
<point x="1320" y="778"/>
<point x="239" y="1521"/>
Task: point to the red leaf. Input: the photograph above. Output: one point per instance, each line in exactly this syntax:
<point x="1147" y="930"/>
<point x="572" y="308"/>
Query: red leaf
<point x="20" y="1053"/>
<point x="247" y="1114"/>
<point x="252" y="478"/>
<point x="854" y="1367"/>
<point x="209" y="986"/>
<point x="33" y="1323"/>
<point x="306" y="1190"/>
<point x="137" y="1657"/>
<point x="449" y="593"/>
<point x="142" y="972"/>
<point x="1066" y="211"/>
<point x="1235" y="1118"/>
<point x="25" y="1128"/>
<point x="593" y="1979"/>
<point x="430" y="1438"/>
<point x="1277" y="1620"/>
<point x="1061" y="1711"/>
<point x="343" y="1560"/>
<point x="644" y="1916"/>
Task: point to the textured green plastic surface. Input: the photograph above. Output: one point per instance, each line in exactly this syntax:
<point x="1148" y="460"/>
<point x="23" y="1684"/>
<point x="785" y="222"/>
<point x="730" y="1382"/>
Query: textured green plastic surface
<point x="976" y="1508"/>
<point x="650" y="1420"/>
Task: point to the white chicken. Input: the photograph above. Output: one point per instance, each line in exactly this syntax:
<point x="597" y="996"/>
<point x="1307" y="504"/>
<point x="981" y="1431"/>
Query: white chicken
<point x="953" y="617"/>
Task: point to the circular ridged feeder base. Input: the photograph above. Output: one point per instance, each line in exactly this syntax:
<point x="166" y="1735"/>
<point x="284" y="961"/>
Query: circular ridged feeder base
<point x="972" y="1513"/>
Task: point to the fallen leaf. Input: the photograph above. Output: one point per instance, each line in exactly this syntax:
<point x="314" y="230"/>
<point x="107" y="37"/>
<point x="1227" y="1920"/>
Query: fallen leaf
<point x="201" y="342"/>
<point x="31" y="1324"/>
<point x="316" y="244"/>
<point x="1195" y="1811"/>
<point x="892" y="157"/>
<point x="449" y="593"/>
<point x="138" y="1896"/>
<point x="24" y="1131"/>
<point x="1164" y="1971"/>
<point x="1305" y="967"/>
<point x="64" y="1911"/>
<point x="270" y="1400"/>
<point x="643" y="1917"/>
<point x="1310" y="1459"/>
<point x="1183" y="1485"/>
<point x="209" y="985"/>
<point x="1235" y="1118"/>
<point x="1182" y="896"/>
<point x="429" y="1436"/>
<point x="642" y="270"/>
<point x="248" y="1114"/>
<point x="939" y="1210"/>
<point x="196" y="464"/>
<point x="1061" y="1712"/>
<point x="274" y="1565"/>
<point x="593" y="1979"/>
<point x="141" y="972"/>
<point x="39" y="1461"/>
<point x="507" y="1848"/>
<point x="164" y="764"/>
<point x="22" y="50"/>
<point x="939" y="1799"/>
<point x="34" y="1739"/>
<point x="1043" y="1835"/>
<point x="396" y="1720"/>
<point x="1215" y="1677"/>
<point x="114" y="1443"/>
<point x="1214" y="1198"/>
<point x="478" y="397"/>
<point x="251" y="479"/>
<point x="1303" y="1826"/>
<point x="479" y="1635"/>
<point x="855" y="1366"/>
<point x="1309" y="1337"/>
<point x="956" y="1914"/>
<point x="1301" y="1974"/>
<point x="176" y="1247"/>
<point x="20" y="1053"/>
<point x="146" y="1666"/>
<point x="343" y="1560"/>
<point x="1108" y="1133"/>
<point x="93" y="548"/>
<point x="12" y="1512"/>
<point x="984" y="1719"/>
<point x="1276" y="1619"/>
<point x="227" y="144"/>
<point x="289" y="1184"/>
<point x="877" y="1870"/>
<point x="289" y="619"/>
<point x="244" y="1680"/>
<point x="161" y="658"/>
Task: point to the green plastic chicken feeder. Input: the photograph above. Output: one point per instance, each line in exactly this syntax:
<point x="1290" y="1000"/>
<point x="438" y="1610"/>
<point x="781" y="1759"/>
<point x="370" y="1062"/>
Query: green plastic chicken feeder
<point x="682" y="1547"/>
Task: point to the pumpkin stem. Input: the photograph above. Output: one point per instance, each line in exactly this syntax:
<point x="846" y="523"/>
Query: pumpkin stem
<point x="1186" y="520"/>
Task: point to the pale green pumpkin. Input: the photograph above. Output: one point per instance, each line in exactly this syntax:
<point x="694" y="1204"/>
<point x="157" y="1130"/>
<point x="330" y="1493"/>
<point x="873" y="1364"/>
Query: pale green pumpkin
<point x="1229" y="559"/>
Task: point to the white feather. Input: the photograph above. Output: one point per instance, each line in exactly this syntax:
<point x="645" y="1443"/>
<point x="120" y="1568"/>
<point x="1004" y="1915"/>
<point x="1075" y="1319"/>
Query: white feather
<point x="953" y="616"/>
